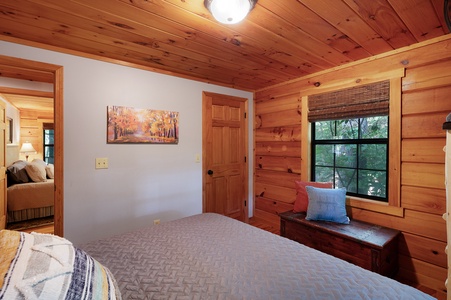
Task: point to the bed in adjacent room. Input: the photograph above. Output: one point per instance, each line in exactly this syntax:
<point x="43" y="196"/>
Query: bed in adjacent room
<point x="30" y="190"/>
<point x="30" y="200"/>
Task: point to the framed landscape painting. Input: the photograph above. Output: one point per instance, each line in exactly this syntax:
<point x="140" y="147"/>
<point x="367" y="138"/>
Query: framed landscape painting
<point x="128" y="125"/>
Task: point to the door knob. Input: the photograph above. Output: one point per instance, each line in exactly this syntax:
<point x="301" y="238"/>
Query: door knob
<point x="210" y="172"/>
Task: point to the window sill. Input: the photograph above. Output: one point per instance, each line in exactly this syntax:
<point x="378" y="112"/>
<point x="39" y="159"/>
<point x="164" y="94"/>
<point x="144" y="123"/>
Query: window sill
<point x="376" y="206"/>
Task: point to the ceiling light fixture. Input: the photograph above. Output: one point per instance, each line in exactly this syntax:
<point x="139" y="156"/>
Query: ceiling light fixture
<point x="229" y="11"/>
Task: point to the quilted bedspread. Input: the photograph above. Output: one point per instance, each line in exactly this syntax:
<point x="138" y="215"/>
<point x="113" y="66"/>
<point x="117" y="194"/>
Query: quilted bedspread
<point x="210" y="256"/>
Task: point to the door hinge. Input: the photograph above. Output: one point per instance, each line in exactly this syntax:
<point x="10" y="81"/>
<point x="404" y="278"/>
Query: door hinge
<point x="245" y="115"/>
<point x="245" y="159"/>
<point x="245" y="203"/>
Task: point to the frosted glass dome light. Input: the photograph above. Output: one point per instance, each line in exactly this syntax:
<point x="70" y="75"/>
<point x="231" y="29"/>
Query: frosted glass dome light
<point x="229" y="11"/>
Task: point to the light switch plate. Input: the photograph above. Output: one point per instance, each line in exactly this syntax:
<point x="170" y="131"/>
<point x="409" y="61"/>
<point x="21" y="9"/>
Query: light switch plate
<point x="102" y="163"/>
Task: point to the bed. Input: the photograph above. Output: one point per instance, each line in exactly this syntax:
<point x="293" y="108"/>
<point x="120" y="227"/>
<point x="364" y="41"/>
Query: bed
<point x="30" y="200"/>
<point x="209" y="256"/>
<point x="30" y="190"/>
<point x="206" y="256"/>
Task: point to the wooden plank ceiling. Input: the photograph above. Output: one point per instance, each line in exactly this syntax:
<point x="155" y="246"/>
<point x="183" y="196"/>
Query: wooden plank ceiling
<point x="280" y="39"/>
<point x="39" y="107"/>
<point x="30" y="102"/>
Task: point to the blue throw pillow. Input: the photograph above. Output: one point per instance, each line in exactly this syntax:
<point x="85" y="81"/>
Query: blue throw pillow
<point x="327" y="205"/>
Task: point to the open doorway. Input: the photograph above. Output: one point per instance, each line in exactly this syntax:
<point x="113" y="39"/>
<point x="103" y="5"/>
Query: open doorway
<point x="41" y="117"/>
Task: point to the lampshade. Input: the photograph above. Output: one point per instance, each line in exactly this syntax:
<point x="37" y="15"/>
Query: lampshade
<point x="229" y="11"/>
<point x="27" y="149"/>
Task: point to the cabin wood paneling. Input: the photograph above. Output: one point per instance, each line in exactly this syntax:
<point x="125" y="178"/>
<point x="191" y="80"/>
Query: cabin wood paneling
<point x="423" y="150"/>
<point x="422" y="248"/>
<point x="425" y="89"/>
<point x="271" y="191"/>
<point x="438" y="100"/>
<point x="430" y="124"/>
<point x="282" y="179"/>
<point x="286" y="102"/>
<point x="279" y="163"/>
<point x="423" y="199"/>
<point x="285" y="133"/>
<point x="423" y="175"/>
<point x="269" y="217"/>
<point x="433" y="75"/>
<point x="429" y="275"/>
<point x="31" y="131"/>
<point x="272" y="206"/>
<point x="278" y="118"/>
<point x="415" y="222"/>
<point x="291" y="149"/>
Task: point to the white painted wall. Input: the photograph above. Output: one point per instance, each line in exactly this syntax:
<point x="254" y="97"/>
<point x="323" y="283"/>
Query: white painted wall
<point x="12" y="149"/>
<point x="143" y="182"/>
<point x="14" y="114"/>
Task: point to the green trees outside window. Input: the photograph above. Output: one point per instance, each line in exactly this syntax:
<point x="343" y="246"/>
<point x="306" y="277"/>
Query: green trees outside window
<point x="352" y="153"/>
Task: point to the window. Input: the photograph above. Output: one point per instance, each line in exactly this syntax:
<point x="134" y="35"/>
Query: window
<point x="352" y="100"/>
<point x="352" y="153"/>
<point x="48" y="145"/>
<point x="10" y="131"/>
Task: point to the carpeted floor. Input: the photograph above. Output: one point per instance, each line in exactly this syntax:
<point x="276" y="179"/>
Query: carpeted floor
<point x="29" y="223"/>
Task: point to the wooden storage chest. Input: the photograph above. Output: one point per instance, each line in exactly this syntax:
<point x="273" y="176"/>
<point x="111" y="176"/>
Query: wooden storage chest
<point x="369" y="246"/>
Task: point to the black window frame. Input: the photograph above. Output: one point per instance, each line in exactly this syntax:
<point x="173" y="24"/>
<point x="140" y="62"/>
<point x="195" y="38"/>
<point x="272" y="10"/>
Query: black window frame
<point x="44" y="146"/>
<point x="359" y="141"/>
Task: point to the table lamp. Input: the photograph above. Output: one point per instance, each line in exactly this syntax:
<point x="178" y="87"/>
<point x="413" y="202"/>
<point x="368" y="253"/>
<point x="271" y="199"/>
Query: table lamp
<point x="27" y="149"/>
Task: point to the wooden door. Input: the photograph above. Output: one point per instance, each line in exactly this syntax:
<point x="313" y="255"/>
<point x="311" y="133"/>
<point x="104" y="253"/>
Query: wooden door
<point x="2" y="165"/>
<point x="225" y="180"/>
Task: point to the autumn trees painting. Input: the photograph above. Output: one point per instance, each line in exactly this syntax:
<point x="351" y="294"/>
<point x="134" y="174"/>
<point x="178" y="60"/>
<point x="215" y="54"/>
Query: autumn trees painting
<point x="132" y="125"/>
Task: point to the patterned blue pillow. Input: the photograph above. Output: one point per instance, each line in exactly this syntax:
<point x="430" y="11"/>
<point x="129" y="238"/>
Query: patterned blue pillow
<point x="327" y="205"/>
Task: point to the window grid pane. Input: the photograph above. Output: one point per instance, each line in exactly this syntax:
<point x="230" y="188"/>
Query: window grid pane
<point x="352" y="154"/>
<point x="49" y="146"/>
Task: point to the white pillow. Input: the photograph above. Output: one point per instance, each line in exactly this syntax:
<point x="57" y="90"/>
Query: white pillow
<point x="39" y="161"/>
<point x="50" y="170"/>
<point x="36" y="172"/>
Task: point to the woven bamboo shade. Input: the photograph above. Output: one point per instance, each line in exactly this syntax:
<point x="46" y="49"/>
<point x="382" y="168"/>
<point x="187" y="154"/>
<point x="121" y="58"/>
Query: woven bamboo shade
<point x="361" y="101"/>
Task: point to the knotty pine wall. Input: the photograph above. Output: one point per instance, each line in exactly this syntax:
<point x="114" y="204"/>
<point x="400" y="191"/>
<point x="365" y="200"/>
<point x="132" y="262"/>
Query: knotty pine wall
<point x="425" y="102"/>
<point x="31" y="130"/>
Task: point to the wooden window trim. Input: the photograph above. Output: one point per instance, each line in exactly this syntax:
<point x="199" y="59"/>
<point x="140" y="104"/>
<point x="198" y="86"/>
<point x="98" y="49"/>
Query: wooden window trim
<point x="48" y="126"/>
<point x="393" y="206"/>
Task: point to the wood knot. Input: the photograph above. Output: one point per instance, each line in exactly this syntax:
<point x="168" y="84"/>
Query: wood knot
<point x="120" y="25"/>
<point x="235" y="42"/>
